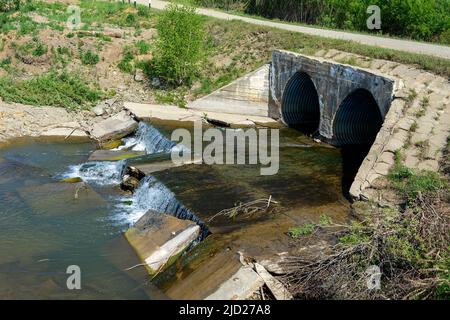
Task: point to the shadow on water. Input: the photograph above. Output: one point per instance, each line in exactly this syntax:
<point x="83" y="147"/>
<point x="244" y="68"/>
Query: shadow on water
<point x="352" y="158"/>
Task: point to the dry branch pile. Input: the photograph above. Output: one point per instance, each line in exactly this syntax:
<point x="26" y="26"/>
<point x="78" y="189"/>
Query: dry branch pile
<point x="410" y="249"/>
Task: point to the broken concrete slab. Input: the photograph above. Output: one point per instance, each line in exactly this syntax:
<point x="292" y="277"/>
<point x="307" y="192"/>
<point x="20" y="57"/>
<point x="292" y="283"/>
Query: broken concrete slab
<point x="159" y="239"/>
<point x="65" y="132"/>
<point x="99" y="109"/>
<point x="115" y="127"/>
<point x="237" y="120"/>
<point x="149" y="168"/>
<point x="239" y="287"/>
<point x="148" y="112"/>
<point x="114" y="155"/>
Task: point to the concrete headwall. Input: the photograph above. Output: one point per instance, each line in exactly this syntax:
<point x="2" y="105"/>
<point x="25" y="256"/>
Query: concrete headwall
<point x="333" y="82"/>
<point x="246" y="96"/>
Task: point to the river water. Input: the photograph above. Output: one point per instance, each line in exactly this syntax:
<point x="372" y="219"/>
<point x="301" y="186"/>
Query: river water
<point x="46" y="225"/>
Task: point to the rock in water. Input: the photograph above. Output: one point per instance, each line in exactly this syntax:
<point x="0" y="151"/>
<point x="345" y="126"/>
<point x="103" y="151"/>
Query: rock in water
<point x="135" y="173"/>
<point x="129" y="183"/>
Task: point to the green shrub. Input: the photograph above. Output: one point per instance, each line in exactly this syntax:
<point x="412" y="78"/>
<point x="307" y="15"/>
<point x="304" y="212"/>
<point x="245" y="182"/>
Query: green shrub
<point x="143" y="11"/>
<point x="174" y="97"/>
<point x="89" y="57"/>
<point x="179" y="49"/>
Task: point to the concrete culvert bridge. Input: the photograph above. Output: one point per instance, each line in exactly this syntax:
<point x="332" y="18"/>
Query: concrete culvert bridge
<point x="300" y="104"/>
<point x="357" y="120"/>
<point x="342" y="104"/>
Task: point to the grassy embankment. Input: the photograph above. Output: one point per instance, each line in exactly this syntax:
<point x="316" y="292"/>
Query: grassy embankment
<point x="233" y="48"/>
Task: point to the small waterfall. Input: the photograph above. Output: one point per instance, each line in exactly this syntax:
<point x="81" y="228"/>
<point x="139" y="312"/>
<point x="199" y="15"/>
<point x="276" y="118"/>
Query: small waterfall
<point x="151" y="194"/>
<point x="154" y="195"/>
<point x="99" y="172"/>
<point x="147" y="138"/>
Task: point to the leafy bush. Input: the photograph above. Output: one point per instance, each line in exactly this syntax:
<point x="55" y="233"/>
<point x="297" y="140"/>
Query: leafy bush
<point x="174" y="97"/>
<point x="179" y="48"/>
<point x="40" y="49"/>
<point x="126" y="63"/>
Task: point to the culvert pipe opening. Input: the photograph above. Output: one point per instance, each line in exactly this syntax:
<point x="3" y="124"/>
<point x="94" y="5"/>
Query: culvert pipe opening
<point x="300" y="103"/>
<point x="357" y="120"/>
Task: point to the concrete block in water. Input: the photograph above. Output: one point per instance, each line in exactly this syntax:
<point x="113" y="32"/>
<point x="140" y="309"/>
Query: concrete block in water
<point x="115" y="127"/>
<point x="159" y="239"/>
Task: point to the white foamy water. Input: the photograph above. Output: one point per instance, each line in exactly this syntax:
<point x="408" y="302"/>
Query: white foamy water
<point x="150" y="195"/>
<point x="148" y="139"/>
<point x="97" y="172"/>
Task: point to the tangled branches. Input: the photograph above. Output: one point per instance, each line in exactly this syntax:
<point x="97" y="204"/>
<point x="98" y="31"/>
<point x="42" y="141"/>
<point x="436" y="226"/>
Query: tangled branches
<point x="410" y="249"/>
<point x="248" y="209"/>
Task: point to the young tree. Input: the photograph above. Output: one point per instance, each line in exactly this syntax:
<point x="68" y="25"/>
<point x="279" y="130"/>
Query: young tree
<point x="179" y="49"/>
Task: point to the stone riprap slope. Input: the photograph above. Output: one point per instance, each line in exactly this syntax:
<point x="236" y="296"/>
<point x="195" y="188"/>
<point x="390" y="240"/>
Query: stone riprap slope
<point x="417" y="124"/>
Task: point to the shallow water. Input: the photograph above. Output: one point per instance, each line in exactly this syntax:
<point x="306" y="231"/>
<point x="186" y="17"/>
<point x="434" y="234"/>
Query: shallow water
<point x="43" y="230"/>
<point x="45" y="225"/>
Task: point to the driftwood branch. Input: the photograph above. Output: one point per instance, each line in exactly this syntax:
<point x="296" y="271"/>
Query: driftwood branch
<point x="247" y="209"/>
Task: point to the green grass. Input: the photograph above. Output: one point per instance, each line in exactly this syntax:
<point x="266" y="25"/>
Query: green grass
<point x="304" y="230"/>
<point x="89" y="57"/>
<point x="126" y="64"/>
<point x="142" y="46"/>
<point x="173" y="96"/>
<point x="65" y="90"/>
<point x="410" y="183"/>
